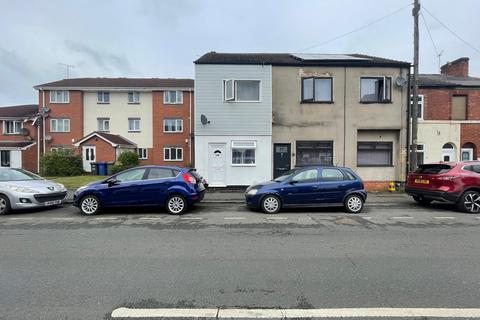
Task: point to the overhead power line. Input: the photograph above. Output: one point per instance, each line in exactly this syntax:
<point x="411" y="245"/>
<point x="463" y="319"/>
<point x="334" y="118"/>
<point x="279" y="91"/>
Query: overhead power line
<point x="452" y="32"/>
<point x="355" y="30"/>
<point x="438" y="54"/>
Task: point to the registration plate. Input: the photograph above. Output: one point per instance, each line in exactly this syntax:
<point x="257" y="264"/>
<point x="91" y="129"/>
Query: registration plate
<point x="52" y="203"/>
<point x="422" y="181"/>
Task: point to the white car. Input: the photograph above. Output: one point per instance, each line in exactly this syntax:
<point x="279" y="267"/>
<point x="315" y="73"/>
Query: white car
<point x="21" y="189"/>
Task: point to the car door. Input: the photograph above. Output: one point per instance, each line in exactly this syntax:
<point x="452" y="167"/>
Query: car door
<point x="333" y="185"/>
<point x="155" y="187"/>
<point x="302" y="188"/>
<point x="125" y="189"/>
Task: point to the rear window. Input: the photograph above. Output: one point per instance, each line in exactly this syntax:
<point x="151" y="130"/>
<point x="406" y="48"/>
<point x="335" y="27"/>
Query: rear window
<point x="433" y="168"/>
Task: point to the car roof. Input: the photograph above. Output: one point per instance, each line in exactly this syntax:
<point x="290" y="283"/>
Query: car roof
<point x="321" y="166"/>
<point x="160" y="167"/>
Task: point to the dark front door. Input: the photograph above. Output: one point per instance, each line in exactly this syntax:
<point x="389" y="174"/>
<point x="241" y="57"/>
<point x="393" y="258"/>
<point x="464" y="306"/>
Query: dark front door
<point x="281" y="158"/>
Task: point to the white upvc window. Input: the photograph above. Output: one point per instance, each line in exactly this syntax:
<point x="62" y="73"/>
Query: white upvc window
<point x="421" y="105"/>
<point x="103" y="124"/>
<point x="173" y="154"/>
<point x="134" y="124"/>
<point x="172" y="125"/>
<point x="241" y="90"/>
<point x="173" y="97"/>
<point x="375" y="89"/>
<point x="60" y="125"/>
<point x="243" y="153"/>
<point x="142" y="153"/>
<point x="134" y="97"/>
<point x="12" y="127"/>
<point x="59" y="96"/>
<point x="103" y="97"/>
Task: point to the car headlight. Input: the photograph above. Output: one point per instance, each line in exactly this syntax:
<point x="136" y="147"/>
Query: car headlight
<point x="62" y="187"/>
<point x="21" y="189"/>
<point x="252" y="192"/>
<point x="81" y="188"/>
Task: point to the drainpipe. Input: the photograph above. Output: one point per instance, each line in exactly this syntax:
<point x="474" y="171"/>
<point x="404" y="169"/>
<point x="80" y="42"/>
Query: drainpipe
<point x="345" y="116"/>
<point x="43" y="121"/>
<point x="407" y="165"/>
<point x="190" y="129"/>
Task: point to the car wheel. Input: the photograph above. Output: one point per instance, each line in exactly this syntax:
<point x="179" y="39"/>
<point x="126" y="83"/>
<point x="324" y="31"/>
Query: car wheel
<point x="353" y="203"/>
<point x="176" y="204"/>
<point x="5" y="207"/>
<point x="422" y="200"/>
<point x="271" y="204"/>
<point x="469" y="202"/>
<point x="90" y="205"/>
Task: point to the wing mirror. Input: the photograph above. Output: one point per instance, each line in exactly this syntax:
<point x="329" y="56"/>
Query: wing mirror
<point x="112" y="182"/>
<point x="293" y="182"/>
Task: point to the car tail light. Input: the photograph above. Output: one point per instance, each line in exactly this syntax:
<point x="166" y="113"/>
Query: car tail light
<point x="189" y="179"/>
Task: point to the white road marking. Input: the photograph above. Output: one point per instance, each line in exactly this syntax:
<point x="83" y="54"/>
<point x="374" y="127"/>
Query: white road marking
<point x="402" y="217"/>
<point x="366" y="217"/>
<point x="63" y="219"/>
<point x="444" y="217"/>
<point x="234" y="218"/>
<point x="21" y="219"/>
<point x="276" y="218"/>
<point x="214" y="313"/>
<point x="191" y="218"/>
<point x="150" y="218"/>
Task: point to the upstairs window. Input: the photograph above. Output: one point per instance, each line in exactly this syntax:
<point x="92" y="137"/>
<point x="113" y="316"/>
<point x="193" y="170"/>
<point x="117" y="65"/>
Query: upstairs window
<point x="134" y="97"/>
<point x="133" y="124"/>
<point x="421" y="104"/>
<point x="59" y="96"/>
<point x="60" y="125"/>
<point x="103" y="124"/>
<point x="173" y="97"/>
<point x="459" y="108"/>
<point x="243" y="152"/>
<point x="103" y="97"/>
<point x="241" y="90"/>
<point x="172" y="125"/>
<point x="375" y="89"/>
<point x="317" y="89"/>
<point x="12" y="127"/>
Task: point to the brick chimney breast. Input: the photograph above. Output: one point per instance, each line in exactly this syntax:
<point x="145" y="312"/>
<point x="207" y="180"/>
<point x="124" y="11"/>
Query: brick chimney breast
<point x="457" y="68"/>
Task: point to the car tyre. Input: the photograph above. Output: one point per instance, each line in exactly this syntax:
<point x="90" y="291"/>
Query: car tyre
<point x="271" y="204"/>
<point x="176" y="204"/>
<point x="90" y="205"/>
<point x="422" y="200"/>
<point x="5" y="207"/>
<point x="353" y="203"/>
<point x="469" y="202"/>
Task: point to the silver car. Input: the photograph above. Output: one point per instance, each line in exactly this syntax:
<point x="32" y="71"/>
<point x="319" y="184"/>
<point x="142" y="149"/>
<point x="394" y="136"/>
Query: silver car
<point x="21" y="189"/>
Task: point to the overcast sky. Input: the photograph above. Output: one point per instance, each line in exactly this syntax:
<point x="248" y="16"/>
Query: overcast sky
<point x="161" y="38"/>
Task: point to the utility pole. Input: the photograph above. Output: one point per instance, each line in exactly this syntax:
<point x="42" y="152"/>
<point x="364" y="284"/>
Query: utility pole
<point x="414" y="107"/>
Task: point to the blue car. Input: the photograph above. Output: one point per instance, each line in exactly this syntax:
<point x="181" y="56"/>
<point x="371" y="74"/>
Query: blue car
<point x="309" y="187"/>
<point x="174" y="188"/>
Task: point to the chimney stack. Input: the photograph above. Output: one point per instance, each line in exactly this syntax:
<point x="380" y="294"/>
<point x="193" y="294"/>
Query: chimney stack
<point x="457" y="68"/>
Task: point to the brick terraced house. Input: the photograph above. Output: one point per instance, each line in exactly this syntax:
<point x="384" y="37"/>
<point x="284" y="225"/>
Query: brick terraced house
<point x="449" y="114"/>
<point x="102" y="117"/>
<point x="18" y="140"/>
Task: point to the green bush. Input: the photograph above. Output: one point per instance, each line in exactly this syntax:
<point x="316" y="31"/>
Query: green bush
<point x="125" y="161"/>
<point x="61" y="163"/>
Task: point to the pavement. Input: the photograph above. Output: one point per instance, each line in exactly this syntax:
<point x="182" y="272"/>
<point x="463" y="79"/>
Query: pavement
<point x="392" y="259"/>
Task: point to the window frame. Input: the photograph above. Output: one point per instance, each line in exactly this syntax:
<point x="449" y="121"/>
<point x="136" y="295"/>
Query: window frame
<point x="176" y="125"/>
<point x="170" y="153"/>
<point x="314" y="144"/>
<point x="390" y="143"/>
<point x="14" y="132"/>
<point x="322" y="179"/>
<point x="103" y="94"/>
<point x="307" y="180"/>
<point x="134" y="119"/>
<point x="142" y="153"/>
<point x="235" y="94"/>
<point x="56" y="126"/>
<point x="167" y="101"/>
<point x="133" y="93"/>
<point x="103" y="120"/>
<point x="53" y="97"/>
<point x="421" y="104"/>
<point x="384" y="101"/>
<point x="253" y="147"/>
<point x="303" y="100"/>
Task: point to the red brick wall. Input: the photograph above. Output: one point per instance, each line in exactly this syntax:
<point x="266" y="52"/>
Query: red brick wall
<point x="160" y="139"/>
<point x="438" y="103"/>
<point x="471" y="133"/>
<point x="104" y="150"/>
<point x="72" y="110"/>
<point x="29" y="157"/>
<point x="458" y="68"/>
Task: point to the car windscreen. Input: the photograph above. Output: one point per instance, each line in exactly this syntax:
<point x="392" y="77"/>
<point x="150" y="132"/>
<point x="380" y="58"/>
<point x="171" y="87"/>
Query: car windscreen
<point x="433" y="168"/>
<point x="285" y="175"/>
<point x="17" y="175"/>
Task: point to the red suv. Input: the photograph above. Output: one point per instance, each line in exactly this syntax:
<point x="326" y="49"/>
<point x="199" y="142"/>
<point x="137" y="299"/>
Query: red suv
<point x="446" y="181"/>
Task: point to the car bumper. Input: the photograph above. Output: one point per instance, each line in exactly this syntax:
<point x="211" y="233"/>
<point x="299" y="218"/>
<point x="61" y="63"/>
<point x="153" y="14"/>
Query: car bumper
<point x="39" y="200"/>
<point x="252" y="201"/>
<point x="433" y="194"/>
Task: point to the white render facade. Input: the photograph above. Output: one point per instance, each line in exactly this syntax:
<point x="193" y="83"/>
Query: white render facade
<point x="233" y="144"/>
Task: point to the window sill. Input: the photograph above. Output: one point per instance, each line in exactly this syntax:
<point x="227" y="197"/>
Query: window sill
<point x="180" y="160"/>
<point x="134" y="103"/>
<point x="134" y="131"/>
<point x="375" y="102"/>
<point x="59" y="131"/>
<point x="317" y="102"/>
<point x="59" y="102"/>
<point x="375" y="166"/>
<point x="103" y="102"/>
<point x="12" y="134"/>
<point x="238" y="101"/>
<point x="173" y="103"/>
<point x="243" y="165"/>
<point x="170" y="132"/>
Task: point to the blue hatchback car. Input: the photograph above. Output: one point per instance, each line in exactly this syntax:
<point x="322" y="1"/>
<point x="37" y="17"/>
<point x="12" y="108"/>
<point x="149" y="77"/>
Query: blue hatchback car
<point x="309" y="187"/>
<point x="174" y="188"/>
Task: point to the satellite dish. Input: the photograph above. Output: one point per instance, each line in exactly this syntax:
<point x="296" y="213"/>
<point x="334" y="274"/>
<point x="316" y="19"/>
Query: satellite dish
<point x="48" y="137"/>
<point x="204" y="120"/>
<point x="45" y="110"/>
<point x="24" y="132"/>
<point x="401" y="82"/>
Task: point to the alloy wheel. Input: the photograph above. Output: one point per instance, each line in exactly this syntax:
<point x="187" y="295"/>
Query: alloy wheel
<point x="3" y="205"/>
<point x="354" y="204"/>
<point x="90" y="205"/>
<point x="471" y="201"/>
<point x="176" y="204"/>
<point x="271" y="204"/>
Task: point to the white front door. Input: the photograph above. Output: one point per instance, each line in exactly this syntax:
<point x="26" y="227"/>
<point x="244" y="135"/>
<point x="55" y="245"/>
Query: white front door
<point x="217" y="164"/>
<point x="467" y="154"/>
<point x="89" y="155"/>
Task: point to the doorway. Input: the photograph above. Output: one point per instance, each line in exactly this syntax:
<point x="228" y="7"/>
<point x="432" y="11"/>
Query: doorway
<point x="217" y="164"/>
<point x="89" y="156"/>
<point x="281" y="158"/>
